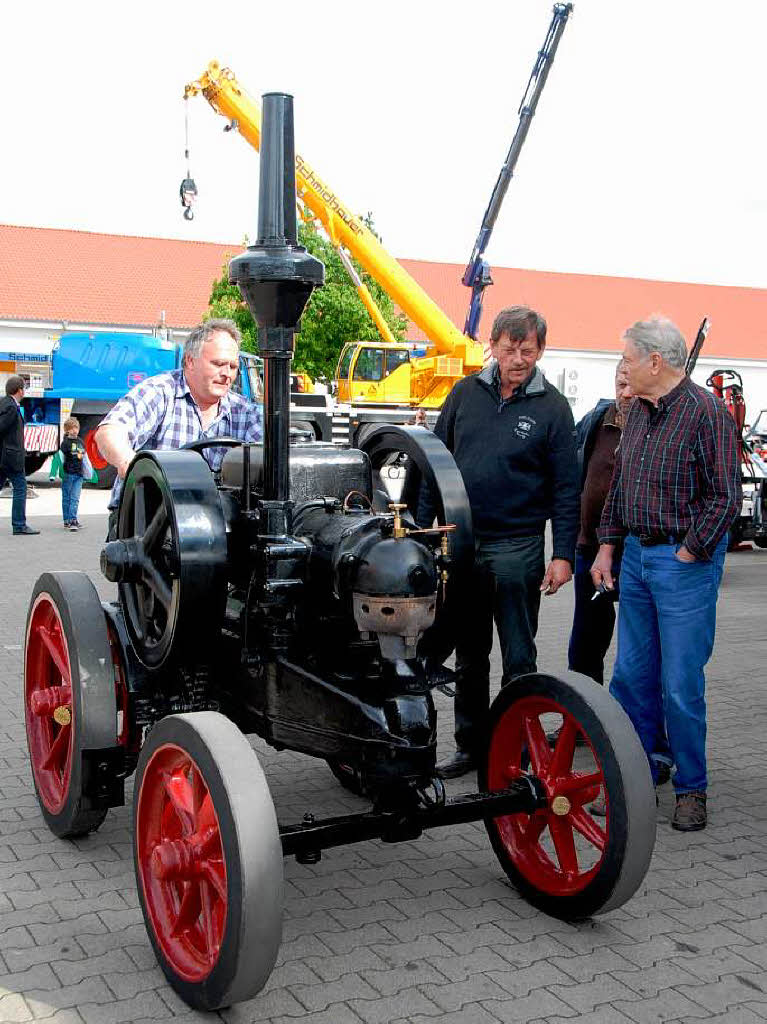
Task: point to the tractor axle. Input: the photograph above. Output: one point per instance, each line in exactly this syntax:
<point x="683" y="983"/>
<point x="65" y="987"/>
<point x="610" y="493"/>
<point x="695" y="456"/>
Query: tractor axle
<point x="305" y="841"/>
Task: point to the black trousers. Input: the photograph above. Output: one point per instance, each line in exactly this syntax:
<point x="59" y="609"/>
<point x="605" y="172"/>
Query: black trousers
<point x="593" y="619"/>
<point x="505" y="588"/>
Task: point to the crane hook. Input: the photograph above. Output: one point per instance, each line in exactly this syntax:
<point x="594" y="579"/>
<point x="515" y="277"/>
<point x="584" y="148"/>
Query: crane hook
<point x="188" y="188"/>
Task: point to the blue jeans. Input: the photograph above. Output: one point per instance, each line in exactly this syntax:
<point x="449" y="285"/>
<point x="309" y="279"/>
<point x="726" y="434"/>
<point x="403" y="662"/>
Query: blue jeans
<point x="505" y="587"/>
<point x="71" y="486"/>
<point x="666" y="627"/>
<point x="19" y="505"/>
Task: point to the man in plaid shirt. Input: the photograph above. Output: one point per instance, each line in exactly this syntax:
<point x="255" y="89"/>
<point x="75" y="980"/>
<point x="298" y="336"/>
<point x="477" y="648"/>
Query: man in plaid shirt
<point x="675" y="492"/>
<point x="171" y="409"/>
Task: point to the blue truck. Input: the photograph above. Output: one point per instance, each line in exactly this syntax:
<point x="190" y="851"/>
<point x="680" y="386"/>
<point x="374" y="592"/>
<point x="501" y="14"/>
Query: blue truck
<point x="84" y="375"/>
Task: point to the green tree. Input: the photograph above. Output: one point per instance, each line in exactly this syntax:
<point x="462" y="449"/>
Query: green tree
<point x="334" y="314"/>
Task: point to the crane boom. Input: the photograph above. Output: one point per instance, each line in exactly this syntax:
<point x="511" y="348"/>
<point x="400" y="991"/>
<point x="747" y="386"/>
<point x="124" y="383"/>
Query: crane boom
<point x="477" y="273"/>
<point x="222" y="90"/>
<point x="367" y="299"/>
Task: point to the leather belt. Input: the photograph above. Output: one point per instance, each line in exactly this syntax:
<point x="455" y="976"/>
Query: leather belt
<point x="650" y="540"/>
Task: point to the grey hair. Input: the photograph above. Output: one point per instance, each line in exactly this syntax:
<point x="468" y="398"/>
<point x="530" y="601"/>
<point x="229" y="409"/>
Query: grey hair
<point x="203" y="332"/>
<point x="661" y="335"/>
<point x="516" y="322"/>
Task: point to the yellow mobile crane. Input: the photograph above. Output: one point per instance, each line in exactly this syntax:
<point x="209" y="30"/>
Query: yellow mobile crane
<point x="393" y="374"/>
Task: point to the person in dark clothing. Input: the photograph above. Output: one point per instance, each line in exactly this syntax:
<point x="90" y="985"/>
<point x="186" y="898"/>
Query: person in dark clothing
<point x="674" y="494"/>
<point x="12" y="453"/>
<point x="597" y="435"/>
<point x="73" y="454"/>
<point x="513" y="439"/>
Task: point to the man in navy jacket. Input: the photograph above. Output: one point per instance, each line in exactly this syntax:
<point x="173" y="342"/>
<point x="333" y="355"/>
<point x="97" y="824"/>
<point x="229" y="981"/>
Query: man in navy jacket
<point x="513" y="438"/>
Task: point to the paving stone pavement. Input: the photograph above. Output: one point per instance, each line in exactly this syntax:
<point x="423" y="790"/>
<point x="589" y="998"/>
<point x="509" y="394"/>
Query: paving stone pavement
<point x="422" y="932"/>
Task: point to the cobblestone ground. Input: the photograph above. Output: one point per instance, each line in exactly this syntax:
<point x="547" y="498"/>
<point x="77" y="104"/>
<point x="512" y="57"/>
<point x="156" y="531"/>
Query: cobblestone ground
<point x="420" y="932"/>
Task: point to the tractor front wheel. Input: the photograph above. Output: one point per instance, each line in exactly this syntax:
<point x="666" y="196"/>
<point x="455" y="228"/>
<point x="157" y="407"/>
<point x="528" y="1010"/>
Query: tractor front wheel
<point x="208" y="859"/>
<point x="563" y="858"/>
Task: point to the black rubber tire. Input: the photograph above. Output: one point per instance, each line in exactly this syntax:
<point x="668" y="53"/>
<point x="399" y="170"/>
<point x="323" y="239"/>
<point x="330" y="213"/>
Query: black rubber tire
<point x="252" y="854"/>
<point x="108" y="474"/>
<point x="349" y="776"/>
<point x="32" y="463"/>
<point x="631" y="809"/>
<point x="93" y="691"/>
<point x="106" y="479"/>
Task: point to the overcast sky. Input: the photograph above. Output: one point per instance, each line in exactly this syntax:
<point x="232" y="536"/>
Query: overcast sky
<point x="647" y="158"/>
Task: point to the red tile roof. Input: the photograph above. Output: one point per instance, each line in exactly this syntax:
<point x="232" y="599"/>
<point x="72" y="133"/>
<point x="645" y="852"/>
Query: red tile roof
<point x="82" y="277"/>
<point x="50" y="274"/>
<point x="592" y="312"/>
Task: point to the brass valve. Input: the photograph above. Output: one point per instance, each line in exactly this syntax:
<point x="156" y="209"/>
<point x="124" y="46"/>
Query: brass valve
<point x="398" y="530"/>
<point x="444" y="544"/>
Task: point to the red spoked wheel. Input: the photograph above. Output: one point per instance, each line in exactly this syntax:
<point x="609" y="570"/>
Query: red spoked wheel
<point x="208" y="859"/>
<point x="48" y="704"/>
<point x="563" y="859"/>
<point x="66" y="644"/>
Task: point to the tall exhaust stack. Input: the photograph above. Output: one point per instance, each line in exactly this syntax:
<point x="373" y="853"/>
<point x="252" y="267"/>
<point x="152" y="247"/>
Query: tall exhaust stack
<point x="276" y="277"/>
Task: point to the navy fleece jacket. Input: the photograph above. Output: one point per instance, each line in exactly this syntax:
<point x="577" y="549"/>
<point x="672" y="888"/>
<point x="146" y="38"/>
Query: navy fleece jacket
<point x="517" y="458"/>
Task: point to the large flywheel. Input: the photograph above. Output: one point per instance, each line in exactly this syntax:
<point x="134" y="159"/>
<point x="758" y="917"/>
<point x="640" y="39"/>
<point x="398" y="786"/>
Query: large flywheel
<point x="170" y="557"/>
<point x="425" y="463"/>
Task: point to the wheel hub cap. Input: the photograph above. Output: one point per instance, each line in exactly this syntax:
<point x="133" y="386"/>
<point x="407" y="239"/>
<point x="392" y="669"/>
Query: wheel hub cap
<point x="50" y="701"/>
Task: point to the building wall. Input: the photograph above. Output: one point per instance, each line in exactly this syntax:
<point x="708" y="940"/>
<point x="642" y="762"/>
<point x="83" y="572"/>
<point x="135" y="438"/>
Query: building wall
<point x="589" y="376"/>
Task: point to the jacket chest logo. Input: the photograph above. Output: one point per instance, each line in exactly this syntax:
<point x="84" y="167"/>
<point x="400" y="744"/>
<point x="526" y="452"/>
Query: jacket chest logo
<point x="524" y="427"/>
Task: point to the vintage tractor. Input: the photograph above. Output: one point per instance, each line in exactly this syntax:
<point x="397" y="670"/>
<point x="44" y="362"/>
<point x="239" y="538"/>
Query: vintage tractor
<point x="283" y="597"/>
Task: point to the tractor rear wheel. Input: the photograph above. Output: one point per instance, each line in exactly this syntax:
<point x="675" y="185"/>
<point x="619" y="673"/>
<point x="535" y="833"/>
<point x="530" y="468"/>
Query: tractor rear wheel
<point x="564" y="860"/>
<point x="208" y="859"/>
<point x="70" y="702"/>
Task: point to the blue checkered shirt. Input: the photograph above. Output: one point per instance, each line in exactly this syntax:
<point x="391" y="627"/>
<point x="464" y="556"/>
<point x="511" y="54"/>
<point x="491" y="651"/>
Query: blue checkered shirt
<point x="160" y="414"/>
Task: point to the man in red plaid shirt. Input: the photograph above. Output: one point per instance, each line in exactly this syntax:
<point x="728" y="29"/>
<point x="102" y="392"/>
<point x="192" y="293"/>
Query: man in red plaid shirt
<point x="675" y="492"/>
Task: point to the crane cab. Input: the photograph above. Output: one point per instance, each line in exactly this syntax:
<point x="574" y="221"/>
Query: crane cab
<point x="374" y="372"/>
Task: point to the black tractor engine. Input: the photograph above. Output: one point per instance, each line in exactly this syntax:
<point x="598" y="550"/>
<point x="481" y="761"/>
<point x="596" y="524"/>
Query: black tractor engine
<point x="335" y="614"/>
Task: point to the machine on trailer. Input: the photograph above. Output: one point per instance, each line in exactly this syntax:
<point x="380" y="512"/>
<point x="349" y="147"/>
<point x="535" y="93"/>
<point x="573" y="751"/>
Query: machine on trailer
<point x="276" y="600"/>
<point x="751" y="524"/>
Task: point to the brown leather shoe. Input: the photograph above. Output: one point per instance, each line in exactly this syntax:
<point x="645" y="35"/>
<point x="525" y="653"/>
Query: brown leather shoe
<point x="690" y="813"/>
